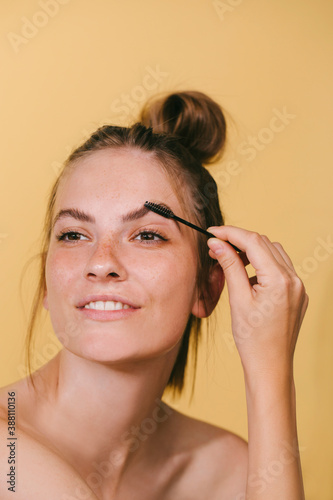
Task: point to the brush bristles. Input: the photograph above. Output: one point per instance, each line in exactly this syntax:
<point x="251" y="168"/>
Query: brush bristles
<point x="158" y="209"/>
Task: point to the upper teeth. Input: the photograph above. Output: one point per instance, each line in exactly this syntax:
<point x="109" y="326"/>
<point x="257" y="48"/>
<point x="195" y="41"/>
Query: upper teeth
<point x="108" y="305"/>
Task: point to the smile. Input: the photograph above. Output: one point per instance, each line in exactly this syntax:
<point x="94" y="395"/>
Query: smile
<point x="107" y="311"/>
<point x="108" y="305"/>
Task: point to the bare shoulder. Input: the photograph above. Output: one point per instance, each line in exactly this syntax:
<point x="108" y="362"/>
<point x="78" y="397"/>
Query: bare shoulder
<point x="17" y="394"/>
<point x="218" y="459"/>
<point x="27" y="467"/>
<point x="33" y="472"/>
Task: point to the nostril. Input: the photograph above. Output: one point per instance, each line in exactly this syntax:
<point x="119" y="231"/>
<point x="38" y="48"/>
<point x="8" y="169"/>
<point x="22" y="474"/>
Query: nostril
<point x="114" y="274"/>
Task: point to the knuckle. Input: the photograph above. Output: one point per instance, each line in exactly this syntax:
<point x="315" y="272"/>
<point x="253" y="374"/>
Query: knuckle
<point x="284" y="280"/>
<point x="298" y="283"/>
<point x="255" y="237"/>
<point x="297" y="286"/>
<point x="228" y="262"/>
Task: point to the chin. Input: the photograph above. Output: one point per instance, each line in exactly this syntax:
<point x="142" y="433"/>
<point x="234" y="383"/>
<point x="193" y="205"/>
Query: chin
<point x="115" y="351"/>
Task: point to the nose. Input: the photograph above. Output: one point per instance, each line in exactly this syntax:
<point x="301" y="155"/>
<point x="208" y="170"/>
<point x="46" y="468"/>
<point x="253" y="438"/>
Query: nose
<point x="104" y="263"/>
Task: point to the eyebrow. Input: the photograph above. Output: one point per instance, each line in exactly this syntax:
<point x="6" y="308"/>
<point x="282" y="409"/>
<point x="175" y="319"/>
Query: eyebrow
<point x="135" y="214"/>
<point x="75" y="214"/>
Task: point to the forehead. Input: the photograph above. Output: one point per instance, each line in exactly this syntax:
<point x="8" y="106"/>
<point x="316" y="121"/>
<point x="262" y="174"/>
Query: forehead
<point x="120" y="176"/>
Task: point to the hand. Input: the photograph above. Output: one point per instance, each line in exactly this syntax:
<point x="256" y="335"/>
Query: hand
<point x="267" y="310"/>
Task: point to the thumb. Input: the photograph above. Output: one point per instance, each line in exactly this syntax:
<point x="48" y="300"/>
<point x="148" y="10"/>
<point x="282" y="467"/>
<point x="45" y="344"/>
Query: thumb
<point x="233" y="267"/>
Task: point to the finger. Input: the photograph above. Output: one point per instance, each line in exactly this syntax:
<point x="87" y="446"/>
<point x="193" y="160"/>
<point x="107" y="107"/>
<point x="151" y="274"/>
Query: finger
<point x="233" y="268"/>
<point x="244" y="259"/>
<point x="279" y="254"/>
<point x="242" y="256"/>
<point x="303" y="309"/>
<point x="284" y="255"/>
<point x="257" y="251"/>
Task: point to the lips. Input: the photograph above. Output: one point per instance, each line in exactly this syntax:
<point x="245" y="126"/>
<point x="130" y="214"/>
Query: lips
<point x="105" y="298"/>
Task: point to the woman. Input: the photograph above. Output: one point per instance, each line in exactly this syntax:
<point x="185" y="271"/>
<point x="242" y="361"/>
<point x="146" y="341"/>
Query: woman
<point x="126" y="290"/>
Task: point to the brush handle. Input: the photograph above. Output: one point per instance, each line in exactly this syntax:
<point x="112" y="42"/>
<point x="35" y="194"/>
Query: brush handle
<point x="207" y="233"/>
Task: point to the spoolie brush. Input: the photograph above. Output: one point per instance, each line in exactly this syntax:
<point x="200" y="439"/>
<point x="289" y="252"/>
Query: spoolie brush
<point x="168" y="214"/>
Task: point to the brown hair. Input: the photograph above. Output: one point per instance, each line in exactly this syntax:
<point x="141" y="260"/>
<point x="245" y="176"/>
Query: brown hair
<point x="182" y="131"/>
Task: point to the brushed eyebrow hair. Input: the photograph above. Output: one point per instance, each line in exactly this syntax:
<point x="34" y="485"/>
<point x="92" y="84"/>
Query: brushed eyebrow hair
<point x="142" y="211"/>
<point x="77" y="214"/>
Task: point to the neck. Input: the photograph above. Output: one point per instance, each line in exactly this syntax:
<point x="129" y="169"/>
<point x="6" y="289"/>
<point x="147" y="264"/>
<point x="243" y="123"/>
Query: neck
<point x="105" y="413"/>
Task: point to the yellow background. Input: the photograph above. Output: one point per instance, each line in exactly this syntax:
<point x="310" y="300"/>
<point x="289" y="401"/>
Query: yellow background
<point x="87" y="64"/>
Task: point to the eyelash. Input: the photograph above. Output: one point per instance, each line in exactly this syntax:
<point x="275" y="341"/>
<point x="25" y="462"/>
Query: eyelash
<point x="151" y="231"/>
<point x="63" y="234"/>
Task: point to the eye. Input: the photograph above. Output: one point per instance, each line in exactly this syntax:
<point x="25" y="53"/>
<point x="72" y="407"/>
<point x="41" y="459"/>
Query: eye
<point x="70" y="236"/>
<point x="149" y="236"/>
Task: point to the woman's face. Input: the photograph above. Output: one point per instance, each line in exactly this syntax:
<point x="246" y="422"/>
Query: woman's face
<point x="109" y="255"/>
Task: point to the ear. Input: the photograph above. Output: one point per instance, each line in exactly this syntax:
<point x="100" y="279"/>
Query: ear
<point x="211" y="294"/>
<point x="45" y="301"/>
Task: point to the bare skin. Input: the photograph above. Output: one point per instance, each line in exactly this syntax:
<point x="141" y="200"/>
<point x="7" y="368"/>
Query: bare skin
<point x="178" y="460"/>
<point x="96" y="417"/>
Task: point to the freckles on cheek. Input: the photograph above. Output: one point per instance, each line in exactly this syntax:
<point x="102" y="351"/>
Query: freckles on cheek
<point x="151" y="272"/>
<point x="60" y="271"/>
<point x="172" y="278"/>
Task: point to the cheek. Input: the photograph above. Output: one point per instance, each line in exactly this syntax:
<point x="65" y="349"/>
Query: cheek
<point x="59" y="272"/>
<point x="169" y="280"/>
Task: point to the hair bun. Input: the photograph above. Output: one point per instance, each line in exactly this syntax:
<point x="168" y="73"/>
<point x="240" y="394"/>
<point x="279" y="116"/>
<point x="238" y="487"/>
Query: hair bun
<point x="193" y="117"/>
